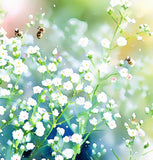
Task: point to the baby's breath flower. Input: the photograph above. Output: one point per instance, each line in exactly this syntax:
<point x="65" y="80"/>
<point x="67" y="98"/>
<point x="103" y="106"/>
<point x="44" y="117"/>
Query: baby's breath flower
<point x="68" y="85"/>
<point x="30" y="146"/>
<point x="68" y="153"/>
<point x="112" y="124"/>
<point x="23" y="116"/>
<point x="18" y="134"/>
<point x="57" y="81"/>
<point x="67" y="72"/>
<point x="60" y="131"/>
<point x="132" y="132"/>
<point x="2" y="110"/>
<point x="37" y="89"/>
<point x="59" y="157"/>
<point x="87" y="105"/>
<point x="55" y="112"/>
<point x="77" y="138"/>
<point x="16" y="157"/>
<point x="75" y="78"/>
<point x="47" y="82"/>
<point x="86" y="64"/>
<point x="31" y="102"/>
<point x="105" y="43"/>
<point x="88" y="89"/>
<point x="62" y="99"/>
<point x="102" y="97"/>
<point x="42" y="69"/>
<point x="121" y="41"/>
<point x="52" y="67"/>
<point x="66" y="139"/>
<point x="93" y="121"/>
<point x="89" y="76"/>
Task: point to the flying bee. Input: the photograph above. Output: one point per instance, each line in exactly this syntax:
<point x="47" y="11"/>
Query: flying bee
<point x="18" y="33"/>
<point x="40" y="32"/>
<point x="129" y="60"/>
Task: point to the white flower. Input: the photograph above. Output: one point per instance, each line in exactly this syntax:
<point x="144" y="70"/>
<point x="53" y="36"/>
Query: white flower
<point x="107" y="116"/>
<point x="80" y="101"/>
<point x="39" y="132"/>
<point x="93" y="121"/>
<point x="77" y="138"/>
<point x="57" y="81"/>
<point x="67" y="72"/>
<point x="87" y="105"/>
<point x="67" y="85"/>
<point x="2" y="110"/>
<point x="32" y="50"/>
<point x="66" y="139"/>
<point x="50" y="141"/>
<point x="37" y="89"/>
<point x="105" y="43"/>
<point x="18" y="134"/>
<point x="3" y="54"/>
<point x="117" y="115"/>
<point x="4" y="75"/>
<point x="114" y="3"/>
<point x="55" y="51"/>
<point x="88" y="76"/>
<point x="46" y="117"/>
<point x="75" y="78"/>
<point x="52" y="67"/>
<point x="47" y="82"/>
<point x="123" y="72"/>
<point x="83" y="42"/>
<point x="60" y="131"/>
<point x="88" y="89"/>
<point x="68" y="153"/>
<point x="23" y="116"/>
<point x="86" y="64"/>
<point x="95" y="110"/>
<point x="4" y="92"/>
<point x="16" y="157"/>
<point x="30" y="146"/>
<point x="55" y="112"/>
<point x="2" y="62"/>
<point x="42" y="69"/>
<point x="102" y="97"/>
<point x="132" y="132"/>
<point x="59" y="157"/>
<point x="27" y="126"/>
<point x="62" y="100"/>
<point x="31" y="102"/>
<point x="121" y="41"/>
<point x="112" y="124"/>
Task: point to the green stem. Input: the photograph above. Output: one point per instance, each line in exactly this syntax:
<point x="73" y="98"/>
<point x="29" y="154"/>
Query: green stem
<point x="115" y="154"/>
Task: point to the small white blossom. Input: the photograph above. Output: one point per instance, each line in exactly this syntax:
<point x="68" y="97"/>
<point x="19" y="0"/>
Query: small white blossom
<point x="102" y="97"/>
<point x="16" y="157"/>
<point x="132" y="132"/>
<point x="27" y="126"/>
<point x="60" y="131"/>
<point x="57" y="81"/>
<point x="121" y="41"/>
<point x="62" y="100"/>
<point x="93" y="121"/>
<point x="37" y="89"/>
<point x="52" y="67"/>
<point x="2" y="110"/>
<point x="87" y="105"/>
<point x="59" y="157"/>
<point x="89" y="76"/>
<point x="18" y="134"/>
<point x="66" y="139"/>
<point x="112" y="124"/>
<point x="68" y="153"/>
<point x="30" y="146"/>
<point x="31" y="102"/>
<point x="107" y="116"/>
<point x="55" y="112"/>
<point x="105" y="43"/>
<point x="88" y="89"/>
<point x="123" y="72"/>
<point x="68" y="85"/>
<point x="47" y="82"/>
<point x="86" y="64"/>
<point x="42" y="69"/>
<point x="67" y="72"/>
<point x="23" y="116"/>
<point x="75" y="78"/>
<point x="77" y="138"/>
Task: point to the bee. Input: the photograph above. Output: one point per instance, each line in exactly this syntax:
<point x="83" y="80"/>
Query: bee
<point x="40" y="32"/>
<point x="18" y="33"/>
<point x="129" y="60"/>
